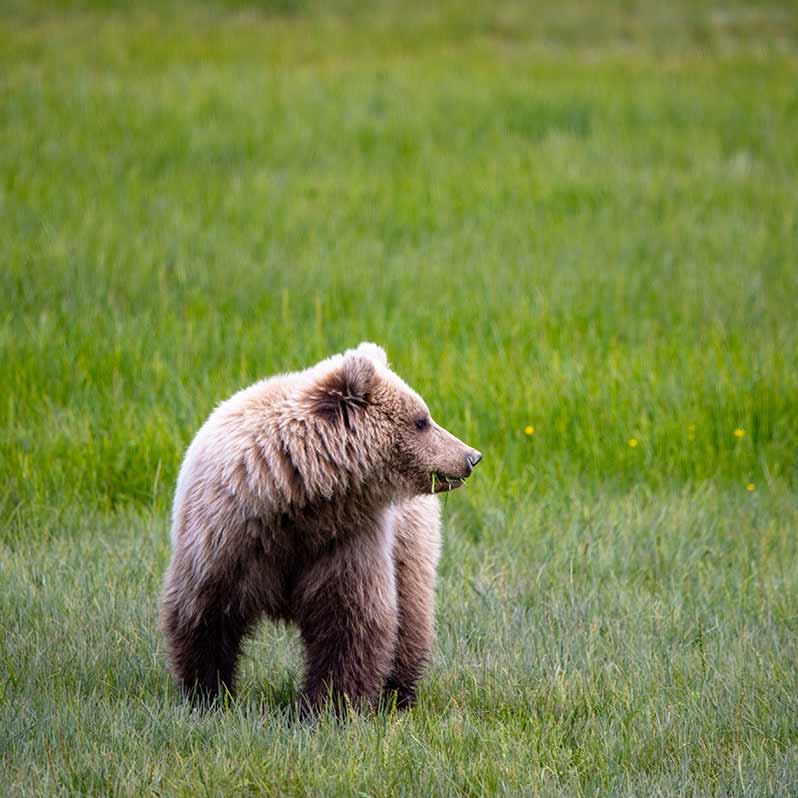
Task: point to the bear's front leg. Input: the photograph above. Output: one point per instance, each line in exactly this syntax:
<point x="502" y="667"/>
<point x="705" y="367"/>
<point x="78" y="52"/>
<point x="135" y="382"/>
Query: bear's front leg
<point x="416" y="553"/>
<point x="345" y="604"/>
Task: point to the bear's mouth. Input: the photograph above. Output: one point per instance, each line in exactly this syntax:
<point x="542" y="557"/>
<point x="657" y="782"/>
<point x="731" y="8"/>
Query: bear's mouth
<point x="441" y="483"/>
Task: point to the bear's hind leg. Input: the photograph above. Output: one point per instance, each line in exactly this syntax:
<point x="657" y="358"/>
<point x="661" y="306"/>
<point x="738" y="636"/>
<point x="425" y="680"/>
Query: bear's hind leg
<point x="203" y="635"/>
<point x="345" y="605"/>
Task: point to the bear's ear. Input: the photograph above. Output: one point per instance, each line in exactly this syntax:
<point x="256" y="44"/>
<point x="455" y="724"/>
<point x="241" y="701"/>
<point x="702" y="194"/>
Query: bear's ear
<point x="346" y="390"/>
<point x="373" y="352"/>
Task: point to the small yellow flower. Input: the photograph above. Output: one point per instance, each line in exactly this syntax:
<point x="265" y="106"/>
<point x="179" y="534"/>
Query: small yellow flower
<point x="750" y="487"/>
<point x="633" y="442"/>
<point x="738" y="433"/>
<point x="529" y="430"/>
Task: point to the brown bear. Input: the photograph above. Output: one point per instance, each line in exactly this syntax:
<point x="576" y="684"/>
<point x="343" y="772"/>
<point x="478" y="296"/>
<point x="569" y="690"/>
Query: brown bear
<point x="308" y="498"/>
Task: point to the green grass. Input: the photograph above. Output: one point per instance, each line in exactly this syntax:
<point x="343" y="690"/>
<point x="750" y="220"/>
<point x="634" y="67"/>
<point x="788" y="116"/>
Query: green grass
<point x="580" y="216"/>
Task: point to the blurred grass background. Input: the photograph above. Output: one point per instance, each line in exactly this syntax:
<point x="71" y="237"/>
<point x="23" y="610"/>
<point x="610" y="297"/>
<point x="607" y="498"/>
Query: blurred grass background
<point x="576" y="217"/>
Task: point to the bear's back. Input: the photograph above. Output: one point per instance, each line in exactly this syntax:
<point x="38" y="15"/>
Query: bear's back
<point x="214" y="457"/>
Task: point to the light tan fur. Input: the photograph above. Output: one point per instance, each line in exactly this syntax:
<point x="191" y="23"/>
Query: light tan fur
<point x="303" y="498"/>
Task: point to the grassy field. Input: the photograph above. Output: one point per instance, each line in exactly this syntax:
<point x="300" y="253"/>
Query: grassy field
<point x="574" y="228"/>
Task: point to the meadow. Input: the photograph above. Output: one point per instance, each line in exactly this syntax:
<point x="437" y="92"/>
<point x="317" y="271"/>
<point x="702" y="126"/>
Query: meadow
<point x="574" y="229"/>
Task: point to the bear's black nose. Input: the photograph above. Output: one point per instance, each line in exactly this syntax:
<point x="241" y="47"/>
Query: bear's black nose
<point x="473" y="457"/>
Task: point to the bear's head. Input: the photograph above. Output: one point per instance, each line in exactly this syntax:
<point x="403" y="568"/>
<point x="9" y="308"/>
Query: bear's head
<point x="380" y="427"/>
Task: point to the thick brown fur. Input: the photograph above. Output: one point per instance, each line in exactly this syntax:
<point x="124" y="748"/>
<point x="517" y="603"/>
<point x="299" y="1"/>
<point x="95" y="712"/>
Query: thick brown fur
<point x="308" y="498"/>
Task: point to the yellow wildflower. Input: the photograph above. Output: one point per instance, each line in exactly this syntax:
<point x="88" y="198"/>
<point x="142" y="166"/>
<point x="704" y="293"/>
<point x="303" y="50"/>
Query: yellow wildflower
<point x="529" y="430"/>
<point x="738" y="433"/>
<point x="750" y="487"/>
<point x="633" y="442"/>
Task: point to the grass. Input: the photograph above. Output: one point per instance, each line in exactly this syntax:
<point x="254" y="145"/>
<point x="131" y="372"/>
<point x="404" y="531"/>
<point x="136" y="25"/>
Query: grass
<point x="579" y="218"/>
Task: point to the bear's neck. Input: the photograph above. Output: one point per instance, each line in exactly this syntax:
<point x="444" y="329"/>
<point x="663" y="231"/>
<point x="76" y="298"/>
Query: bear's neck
<point x="360" y="511"/>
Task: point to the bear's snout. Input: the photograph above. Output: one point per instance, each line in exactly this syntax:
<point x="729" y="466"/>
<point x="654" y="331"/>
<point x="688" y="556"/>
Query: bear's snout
<point x="472" y="458"/>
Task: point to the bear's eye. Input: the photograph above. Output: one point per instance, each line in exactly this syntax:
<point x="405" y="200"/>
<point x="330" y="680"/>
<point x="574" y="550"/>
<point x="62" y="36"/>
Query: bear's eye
<point x="422" y="423"/>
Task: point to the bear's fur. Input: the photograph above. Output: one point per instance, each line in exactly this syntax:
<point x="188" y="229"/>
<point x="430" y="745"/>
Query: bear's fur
<point x="307" y="497"/>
